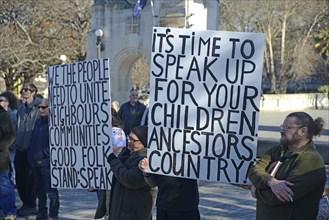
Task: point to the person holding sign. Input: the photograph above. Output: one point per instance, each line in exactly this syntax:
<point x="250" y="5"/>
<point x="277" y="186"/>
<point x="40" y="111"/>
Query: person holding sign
<point x="289" y="179"/>
<point x="131" y="112"/>
<point x="118" y="143"/>
<point x="177" y="198"/>
<point x="131" y="197"/>
<point x="39" y="158"/>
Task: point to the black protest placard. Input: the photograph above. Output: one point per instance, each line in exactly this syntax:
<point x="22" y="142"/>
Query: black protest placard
<point x="204" y="103"/>
<point x="80" y="124"/>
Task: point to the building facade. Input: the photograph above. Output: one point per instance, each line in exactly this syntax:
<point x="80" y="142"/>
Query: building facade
<point x="127" y="34"/>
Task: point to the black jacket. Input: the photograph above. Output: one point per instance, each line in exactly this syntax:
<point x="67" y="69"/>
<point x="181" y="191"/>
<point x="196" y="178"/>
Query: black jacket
<point x="38" y="151"/>
<point x="131" y="197"/>
<point x="131" y="116"/>
<point x="7" y="137"/>
<point x="174" y="193"/>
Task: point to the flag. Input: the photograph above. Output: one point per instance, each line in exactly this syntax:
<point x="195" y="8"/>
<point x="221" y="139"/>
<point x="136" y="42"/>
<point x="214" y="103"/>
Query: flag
<point x="140" y="4"/>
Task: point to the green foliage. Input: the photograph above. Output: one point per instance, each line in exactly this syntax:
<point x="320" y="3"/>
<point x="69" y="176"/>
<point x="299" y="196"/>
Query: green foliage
<point x="324" y="89"/>
<point x="322" y="42"/>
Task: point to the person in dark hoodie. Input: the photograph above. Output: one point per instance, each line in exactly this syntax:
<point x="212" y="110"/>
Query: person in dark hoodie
<point x="39" y="158"/>
<point x="131" y="197"/>
<point x="7" y="137"/>
<point x="27" y="114"/>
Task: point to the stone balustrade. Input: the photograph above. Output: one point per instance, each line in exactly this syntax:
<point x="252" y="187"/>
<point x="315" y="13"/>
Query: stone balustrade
<point x="286" y="102"/>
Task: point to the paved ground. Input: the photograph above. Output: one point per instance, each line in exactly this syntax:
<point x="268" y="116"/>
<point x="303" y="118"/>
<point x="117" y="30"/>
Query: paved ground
<point x="218" y="201"/>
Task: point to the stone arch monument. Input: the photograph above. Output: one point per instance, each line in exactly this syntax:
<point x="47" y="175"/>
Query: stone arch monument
<point x="127" y="36"/>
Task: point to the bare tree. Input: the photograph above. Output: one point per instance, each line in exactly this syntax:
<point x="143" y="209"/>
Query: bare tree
<point x="289" y="26"/>
<point x="35" y="33"/>
<point x="140" y="75"/>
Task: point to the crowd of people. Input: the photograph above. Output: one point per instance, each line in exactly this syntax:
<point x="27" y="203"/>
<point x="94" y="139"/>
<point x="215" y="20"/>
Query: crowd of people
<point x="287" y="181"/>
<point x="25" y="156"/>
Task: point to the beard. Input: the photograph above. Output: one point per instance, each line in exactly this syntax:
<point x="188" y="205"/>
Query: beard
<point x="295" y="138"/>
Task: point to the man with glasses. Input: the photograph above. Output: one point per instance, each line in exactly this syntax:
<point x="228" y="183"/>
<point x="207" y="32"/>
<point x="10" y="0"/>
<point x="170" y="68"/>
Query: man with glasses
<point x="39" y="158"/>
<point x="288" y="180"/>
<point x="27" y="114"/>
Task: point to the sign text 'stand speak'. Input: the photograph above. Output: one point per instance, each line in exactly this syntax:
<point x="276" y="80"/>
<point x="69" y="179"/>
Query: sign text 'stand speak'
<point x="80" y="124"/>
<point x="205" y="93"/>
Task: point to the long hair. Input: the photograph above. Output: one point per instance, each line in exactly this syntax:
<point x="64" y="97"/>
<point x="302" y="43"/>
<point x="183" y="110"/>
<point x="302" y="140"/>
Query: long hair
<point x="12" y="99"/>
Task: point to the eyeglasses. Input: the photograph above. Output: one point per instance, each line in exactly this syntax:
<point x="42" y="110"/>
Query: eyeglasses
<point x="132" y="139"/>
<point x="26" y="89"/>
<point x="43" y="107"/>
<point x="286" y="127"/>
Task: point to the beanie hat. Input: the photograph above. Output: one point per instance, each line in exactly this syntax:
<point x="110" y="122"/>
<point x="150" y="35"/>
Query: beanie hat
<point x="118" y="137"/>
<point x="141" y="133"/>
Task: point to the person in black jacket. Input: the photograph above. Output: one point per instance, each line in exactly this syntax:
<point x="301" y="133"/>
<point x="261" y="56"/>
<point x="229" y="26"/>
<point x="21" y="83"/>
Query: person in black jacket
<point x="7" y="137"/>
<point x="119" y="141"/>
<point x="131" y="112"/>
<point x="27" y="114"/>
<point x="177" y="198"/>
<point x="39" y="158"/>
<point x="131" y="196"/>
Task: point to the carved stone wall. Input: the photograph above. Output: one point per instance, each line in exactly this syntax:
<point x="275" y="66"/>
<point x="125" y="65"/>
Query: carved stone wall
<point x="127" y="37"/>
